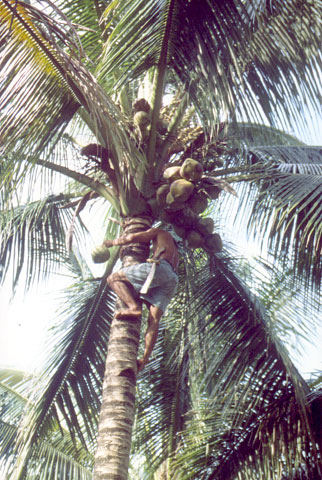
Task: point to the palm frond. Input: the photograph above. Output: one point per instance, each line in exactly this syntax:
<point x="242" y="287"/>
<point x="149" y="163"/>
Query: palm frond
<point x="46" y="56"/>
<point x="203" y="39"/>
<point x="230" y="342"/>
<point x="33" y="239"/>
<point x="269" y="404"/>
<point x="54" y="456"/>
<point x="86" y="18"/>
<point x="288" y="206"/>
<point x="72" y="379"/>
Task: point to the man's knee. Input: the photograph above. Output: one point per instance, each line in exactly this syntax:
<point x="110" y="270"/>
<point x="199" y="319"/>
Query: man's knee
<point x="115" y="278"/>
<point x="155" y="314"/>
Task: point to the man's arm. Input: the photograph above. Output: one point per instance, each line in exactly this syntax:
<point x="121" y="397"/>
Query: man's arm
<point x="141" y="237"/>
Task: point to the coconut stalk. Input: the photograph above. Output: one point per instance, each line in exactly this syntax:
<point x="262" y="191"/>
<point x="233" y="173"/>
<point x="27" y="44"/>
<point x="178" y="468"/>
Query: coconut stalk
<point x="118" y="399"/>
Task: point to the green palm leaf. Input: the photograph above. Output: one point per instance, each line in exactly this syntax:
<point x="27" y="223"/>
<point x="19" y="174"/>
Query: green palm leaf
<point x="288" y="206"/>
<point x="251" y="388"/>
<point x="81" y="349"/>
<point x="29" y="122"/>
<point x="33" y="239"/>
<point x="54" y="456"/>
<point x="198" y="40"/>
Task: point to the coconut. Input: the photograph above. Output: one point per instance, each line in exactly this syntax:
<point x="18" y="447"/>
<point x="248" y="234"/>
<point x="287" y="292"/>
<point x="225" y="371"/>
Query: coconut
<point x="154" y="207"/>
<point x="181" y="190"/>
<point x="100" y="254"/>
<point x="167" y="216"/>
<point x="198" y="202"/>
<point x="173" y="204"/>
<point x="141" y="105"/>
<point x="172" y="173"/>
<point x="162" y="127"/>
<point x="191" y="170"/>
<point x="195" y="239"/>
<point x="206" y="226"/>
<point x="213" y="191"/>
<point x="186" y="218"/>
<point x="181" y="231"/>
<point x="141" y="119"/>
<point x="211" y="186"/>
<point x="161" y="194"/>
<point x="213" y="243"/>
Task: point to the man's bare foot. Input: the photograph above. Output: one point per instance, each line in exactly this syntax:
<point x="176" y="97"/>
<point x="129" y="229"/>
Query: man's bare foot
<point x="128" y="313"/>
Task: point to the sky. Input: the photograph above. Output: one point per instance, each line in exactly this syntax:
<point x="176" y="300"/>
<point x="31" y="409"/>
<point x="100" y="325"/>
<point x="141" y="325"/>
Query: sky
<point x="24" y="323"/>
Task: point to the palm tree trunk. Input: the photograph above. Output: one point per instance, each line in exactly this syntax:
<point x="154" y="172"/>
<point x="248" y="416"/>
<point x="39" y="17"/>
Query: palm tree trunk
<point x="118" y="403"/>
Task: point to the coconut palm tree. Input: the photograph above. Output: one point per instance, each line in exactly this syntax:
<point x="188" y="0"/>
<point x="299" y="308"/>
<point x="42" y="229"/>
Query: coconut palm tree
<point x="83" y="89"/>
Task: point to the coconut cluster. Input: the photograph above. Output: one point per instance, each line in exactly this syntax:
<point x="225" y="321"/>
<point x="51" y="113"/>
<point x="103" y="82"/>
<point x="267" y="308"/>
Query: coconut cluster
<point x="182" y="197"/>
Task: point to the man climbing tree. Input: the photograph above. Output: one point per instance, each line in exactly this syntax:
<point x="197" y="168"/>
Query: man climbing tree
<point x="154" y="282"/>
<point x="135" y="104"/>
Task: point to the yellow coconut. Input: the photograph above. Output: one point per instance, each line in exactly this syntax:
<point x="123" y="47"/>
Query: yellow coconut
<point x="194" y="239"/>
<point x="172" y="173"/>
<point x="206" y="226"/>
<point x="191" y="170"/>
<point x="161" y="194"/>
<point x="198" y="202"/>
<point x="181" y="190"/>
<point x="213" y="243"/>
<point x="100" y="254"/>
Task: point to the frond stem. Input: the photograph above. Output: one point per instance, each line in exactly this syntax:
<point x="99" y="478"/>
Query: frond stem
<point x="95" y="185"/>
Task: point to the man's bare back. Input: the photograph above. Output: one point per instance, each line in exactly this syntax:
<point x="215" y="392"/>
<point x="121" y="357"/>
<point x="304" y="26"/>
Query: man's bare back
<point x="164" y="241"/>
<point x="161" y="240"/>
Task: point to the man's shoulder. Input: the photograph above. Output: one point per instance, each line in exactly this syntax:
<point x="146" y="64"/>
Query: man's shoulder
<point x="157" y="231"/>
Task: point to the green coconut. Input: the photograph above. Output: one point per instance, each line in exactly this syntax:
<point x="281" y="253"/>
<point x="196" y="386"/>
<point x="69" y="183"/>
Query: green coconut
<point x="206" y="226"/>
<point x="181" y="189"/>
<point x="141" y="105"/>
<point x="168" y="216"/>
<point x="161" y="194"/>
<point x="213" y="191"/>
<point x="181" y="231"/>
<point x="194" y="239"/>
<point x="141" y="119"/>
<point x="186" y="218"/>
<point x="162" y="127"/>
<point x="172" y="173"/>
<point x="198" y="202"/>
<point x="191" y="170"/>
<point x="154" y="206"/>
<point x="173" y="204"/>
<point x="213" y="243"/>
<point x="100" y="254"/>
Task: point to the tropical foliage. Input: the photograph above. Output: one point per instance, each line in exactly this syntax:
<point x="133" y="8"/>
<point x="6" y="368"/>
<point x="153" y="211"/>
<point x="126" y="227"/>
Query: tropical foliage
<point x="212" y="81"/>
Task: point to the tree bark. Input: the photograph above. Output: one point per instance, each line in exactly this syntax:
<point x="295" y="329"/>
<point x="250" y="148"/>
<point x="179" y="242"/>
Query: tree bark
<point x="118" y="402"/>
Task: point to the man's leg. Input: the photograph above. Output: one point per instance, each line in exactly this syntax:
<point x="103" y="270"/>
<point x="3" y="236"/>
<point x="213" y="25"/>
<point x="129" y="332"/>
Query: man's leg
<point x="151" y="335"/>
<point x="124" y="290"/>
